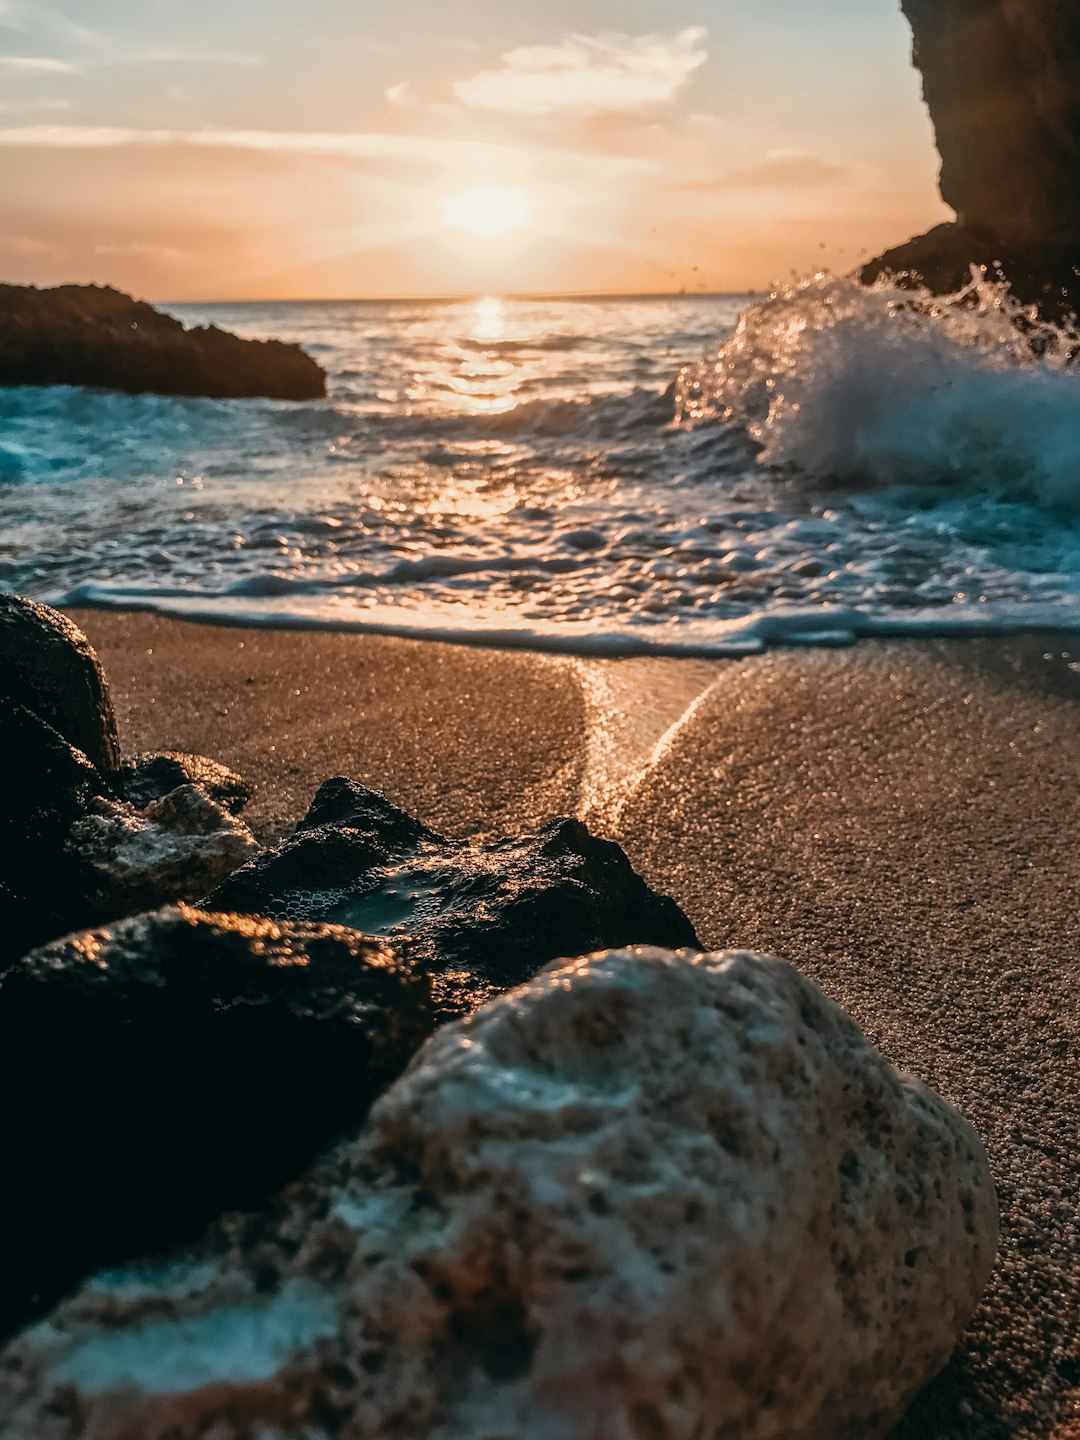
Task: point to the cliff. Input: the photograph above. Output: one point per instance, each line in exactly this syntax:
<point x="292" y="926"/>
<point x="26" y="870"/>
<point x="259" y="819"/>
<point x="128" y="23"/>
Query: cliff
<point x="96" y="336"/>
<point x="1001" y="79"/>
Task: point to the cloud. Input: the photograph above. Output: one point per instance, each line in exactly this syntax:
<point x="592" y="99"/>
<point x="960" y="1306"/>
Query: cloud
<point x="42" y="104"/>
<point x="440" y="152"/>
<point x="94" y="48"/>
<point x="37" y="65"/>
<point x="402" y="94"/>
<point x="787" y="170"/>
<point x="588" y="75"/>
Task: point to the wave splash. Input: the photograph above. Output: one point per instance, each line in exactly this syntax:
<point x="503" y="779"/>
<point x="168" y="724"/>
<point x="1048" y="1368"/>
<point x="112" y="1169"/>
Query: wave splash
<point x="875" y="387"/>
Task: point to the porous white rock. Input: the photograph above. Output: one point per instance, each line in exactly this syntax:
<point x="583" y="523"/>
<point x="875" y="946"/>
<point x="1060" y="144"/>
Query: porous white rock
<point x="177" y="848"/>
<point x="649" y="1196"/>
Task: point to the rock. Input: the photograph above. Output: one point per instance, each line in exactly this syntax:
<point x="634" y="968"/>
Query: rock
<point x="1000" y="80"/>
<point x="48" y="786"/>
<point x="942" y="260"/>
<point x="176" y="849"/>
<point x="148" y="777"/>
<point x="479" y="919"/>
<point x="48" y="665"/>
<point x="174" y="1066"/>
<point x="647" y="1195"/>
<point x="96" y="336"/>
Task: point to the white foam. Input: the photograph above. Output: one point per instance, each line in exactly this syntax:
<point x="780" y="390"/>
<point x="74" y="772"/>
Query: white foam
<point x="850" y="462"/>
<point x="881" y="387"/>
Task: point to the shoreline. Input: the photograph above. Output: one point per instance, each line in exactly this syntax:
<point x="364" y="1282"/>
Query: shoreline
<point x="817" y="628"/>
<point x="896" y="818"/>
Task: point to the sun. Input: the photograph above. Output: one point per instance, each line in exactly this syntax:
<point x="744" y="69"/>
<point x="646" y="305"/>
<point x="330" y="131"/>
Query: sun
<point x="488" y="210"/>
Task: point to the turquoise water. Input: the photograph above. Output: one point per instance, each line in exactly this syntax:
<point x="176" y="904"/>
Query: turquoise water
<point x="699" y="474"/>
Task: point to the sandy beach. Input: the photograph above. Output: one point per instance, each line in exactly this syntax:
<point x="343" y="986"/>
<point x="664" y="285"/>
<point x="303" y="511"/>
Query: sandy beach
<point x="898" y="820"/>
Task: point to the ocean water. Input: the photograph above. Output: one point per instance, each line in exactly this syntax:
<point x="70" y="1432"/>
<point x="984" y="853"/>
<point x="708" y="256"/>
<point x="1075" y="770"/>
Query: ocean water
<point x="702" y="475"/>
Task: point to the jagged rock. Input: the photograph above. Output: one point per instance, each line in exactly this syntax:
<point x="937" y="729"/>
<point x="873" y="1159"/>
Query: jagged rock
<point x="48" y="785"/>
<point x="479" y="919"/>
<point x="94" y="335"/>
<point x="148" y="777"/>
<point x="1002" y="81"/>
<point x="174" y="1066"/>
<point x="48" y="665"/>
<point x="649" y="1194"/>
<point x="177" y="848"/>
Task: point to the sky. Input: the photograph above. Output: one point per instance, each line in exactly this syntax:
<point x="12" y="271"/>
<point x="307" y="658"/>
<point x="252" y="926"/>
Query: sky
<point x="258" y="149"/>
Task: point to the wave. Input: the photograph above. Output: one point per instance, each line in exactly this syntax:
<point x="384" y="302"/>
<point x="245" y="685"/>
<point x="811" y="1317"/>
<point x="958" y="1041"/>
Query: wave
<point x="880" y="387"/>
<point x="829" y="627"/>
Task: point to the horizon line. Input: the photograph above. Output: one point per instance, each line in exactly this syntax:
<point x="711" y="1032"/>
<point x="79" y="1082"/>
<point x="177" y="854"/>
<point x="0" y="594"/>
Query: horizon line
<point x="457" y="297"/>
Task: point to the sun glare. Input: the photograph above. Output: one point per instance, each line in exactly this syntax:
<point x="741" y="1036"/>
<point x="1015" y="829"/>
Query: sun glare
<point x="488" y="210"/>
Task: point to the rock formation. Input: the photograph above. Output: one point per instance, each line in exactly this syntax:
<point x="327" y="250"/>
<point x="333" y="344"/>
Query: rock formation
<point x="1002" y="82"/>
<point x="48" y="665"/>
<point x="649" y="1194"/>
<point x="96" y="336"/>
<point x="479" y="919"/>
<point x="175" y="1066"/>
<point x="84" y="837"/>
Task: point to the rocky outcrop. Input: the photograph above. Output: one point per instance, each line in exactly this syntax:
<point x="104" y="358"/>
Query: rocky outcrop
<point x="149" y="777"/>
<point x="649" y="1194"/>
<point x="176" y="848"/>
<point x="48" y="786"/>
<point x="174" y="1066"/>
<point x="84" y="837"/>
<point x="96" y="336"/>
<point x="48" y="665"/>
<point x="1002" y="82"/>
<point x="478" y="919"/>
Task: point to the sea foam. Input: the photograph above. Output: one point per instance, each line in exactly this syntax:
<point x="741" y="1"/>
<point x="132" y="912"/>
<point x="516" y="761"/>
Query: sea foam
<point x="575" y="476"/>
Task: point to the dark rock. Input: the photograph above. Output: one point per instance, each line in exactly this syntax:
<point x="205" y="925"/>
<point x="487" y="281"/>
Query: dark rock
<point x="176" y="1066"/>
<point x="941" y="260"/>
<point x="96" y="336"/>
<point x="48" y="786"/>
<point x="648" y="1196"/>
<point x="177" y="848"/>
<point x="48" y="665"/>
<point x="479" y="919"/>
<point x="146" y="778"/>
<point x="1002" y="82"/>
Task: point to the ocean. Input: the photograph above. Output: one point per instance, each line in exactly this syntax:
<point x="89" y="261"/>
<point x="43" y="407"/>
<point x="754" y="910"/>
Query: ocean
<point x="701" y="475"/>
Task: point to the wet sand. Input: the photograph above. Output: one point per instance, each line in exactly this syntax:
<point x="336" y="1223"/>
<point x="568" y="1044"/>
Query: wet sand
<point x="899" y="820"/>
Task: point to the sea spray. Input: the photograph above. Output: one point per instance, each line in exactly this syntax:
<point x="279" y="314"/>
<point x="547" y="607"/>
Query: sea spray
<point x="880" y="386"/>
<point x="843" y="462"/>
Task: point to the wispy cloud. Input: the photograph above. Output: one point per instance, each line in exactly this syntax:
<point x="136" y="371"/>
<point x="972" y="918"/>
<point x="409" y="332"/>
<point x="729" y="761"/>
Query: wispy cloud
<point x="788" y="170"/>
<point x="42" y="104"/>
<point x="37" y="65"/>
<point x="92" y="48"/>
<point x="431" y="151"/>
<point x="589" y="74"/>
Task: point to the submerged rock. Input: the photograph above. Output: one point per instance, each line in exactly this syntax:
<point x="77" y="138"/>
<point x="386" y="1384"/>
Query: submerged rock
<point x="174" y="1066"/>
<point x="479" y="919"/>
<point x="176" y="849"/>
<point x="148" y="777"/>
<point x="96" y="336"/>
<point x="1000" y="78"/>
<point x="49" y="666"/>
<point x="649" y="1194"/>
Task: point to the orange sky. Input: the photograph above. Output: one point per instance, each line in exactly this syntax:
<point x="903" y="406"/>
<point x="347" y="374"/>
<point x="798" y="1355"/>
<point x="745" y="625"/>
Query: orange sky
<point x="255" y="149"/>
